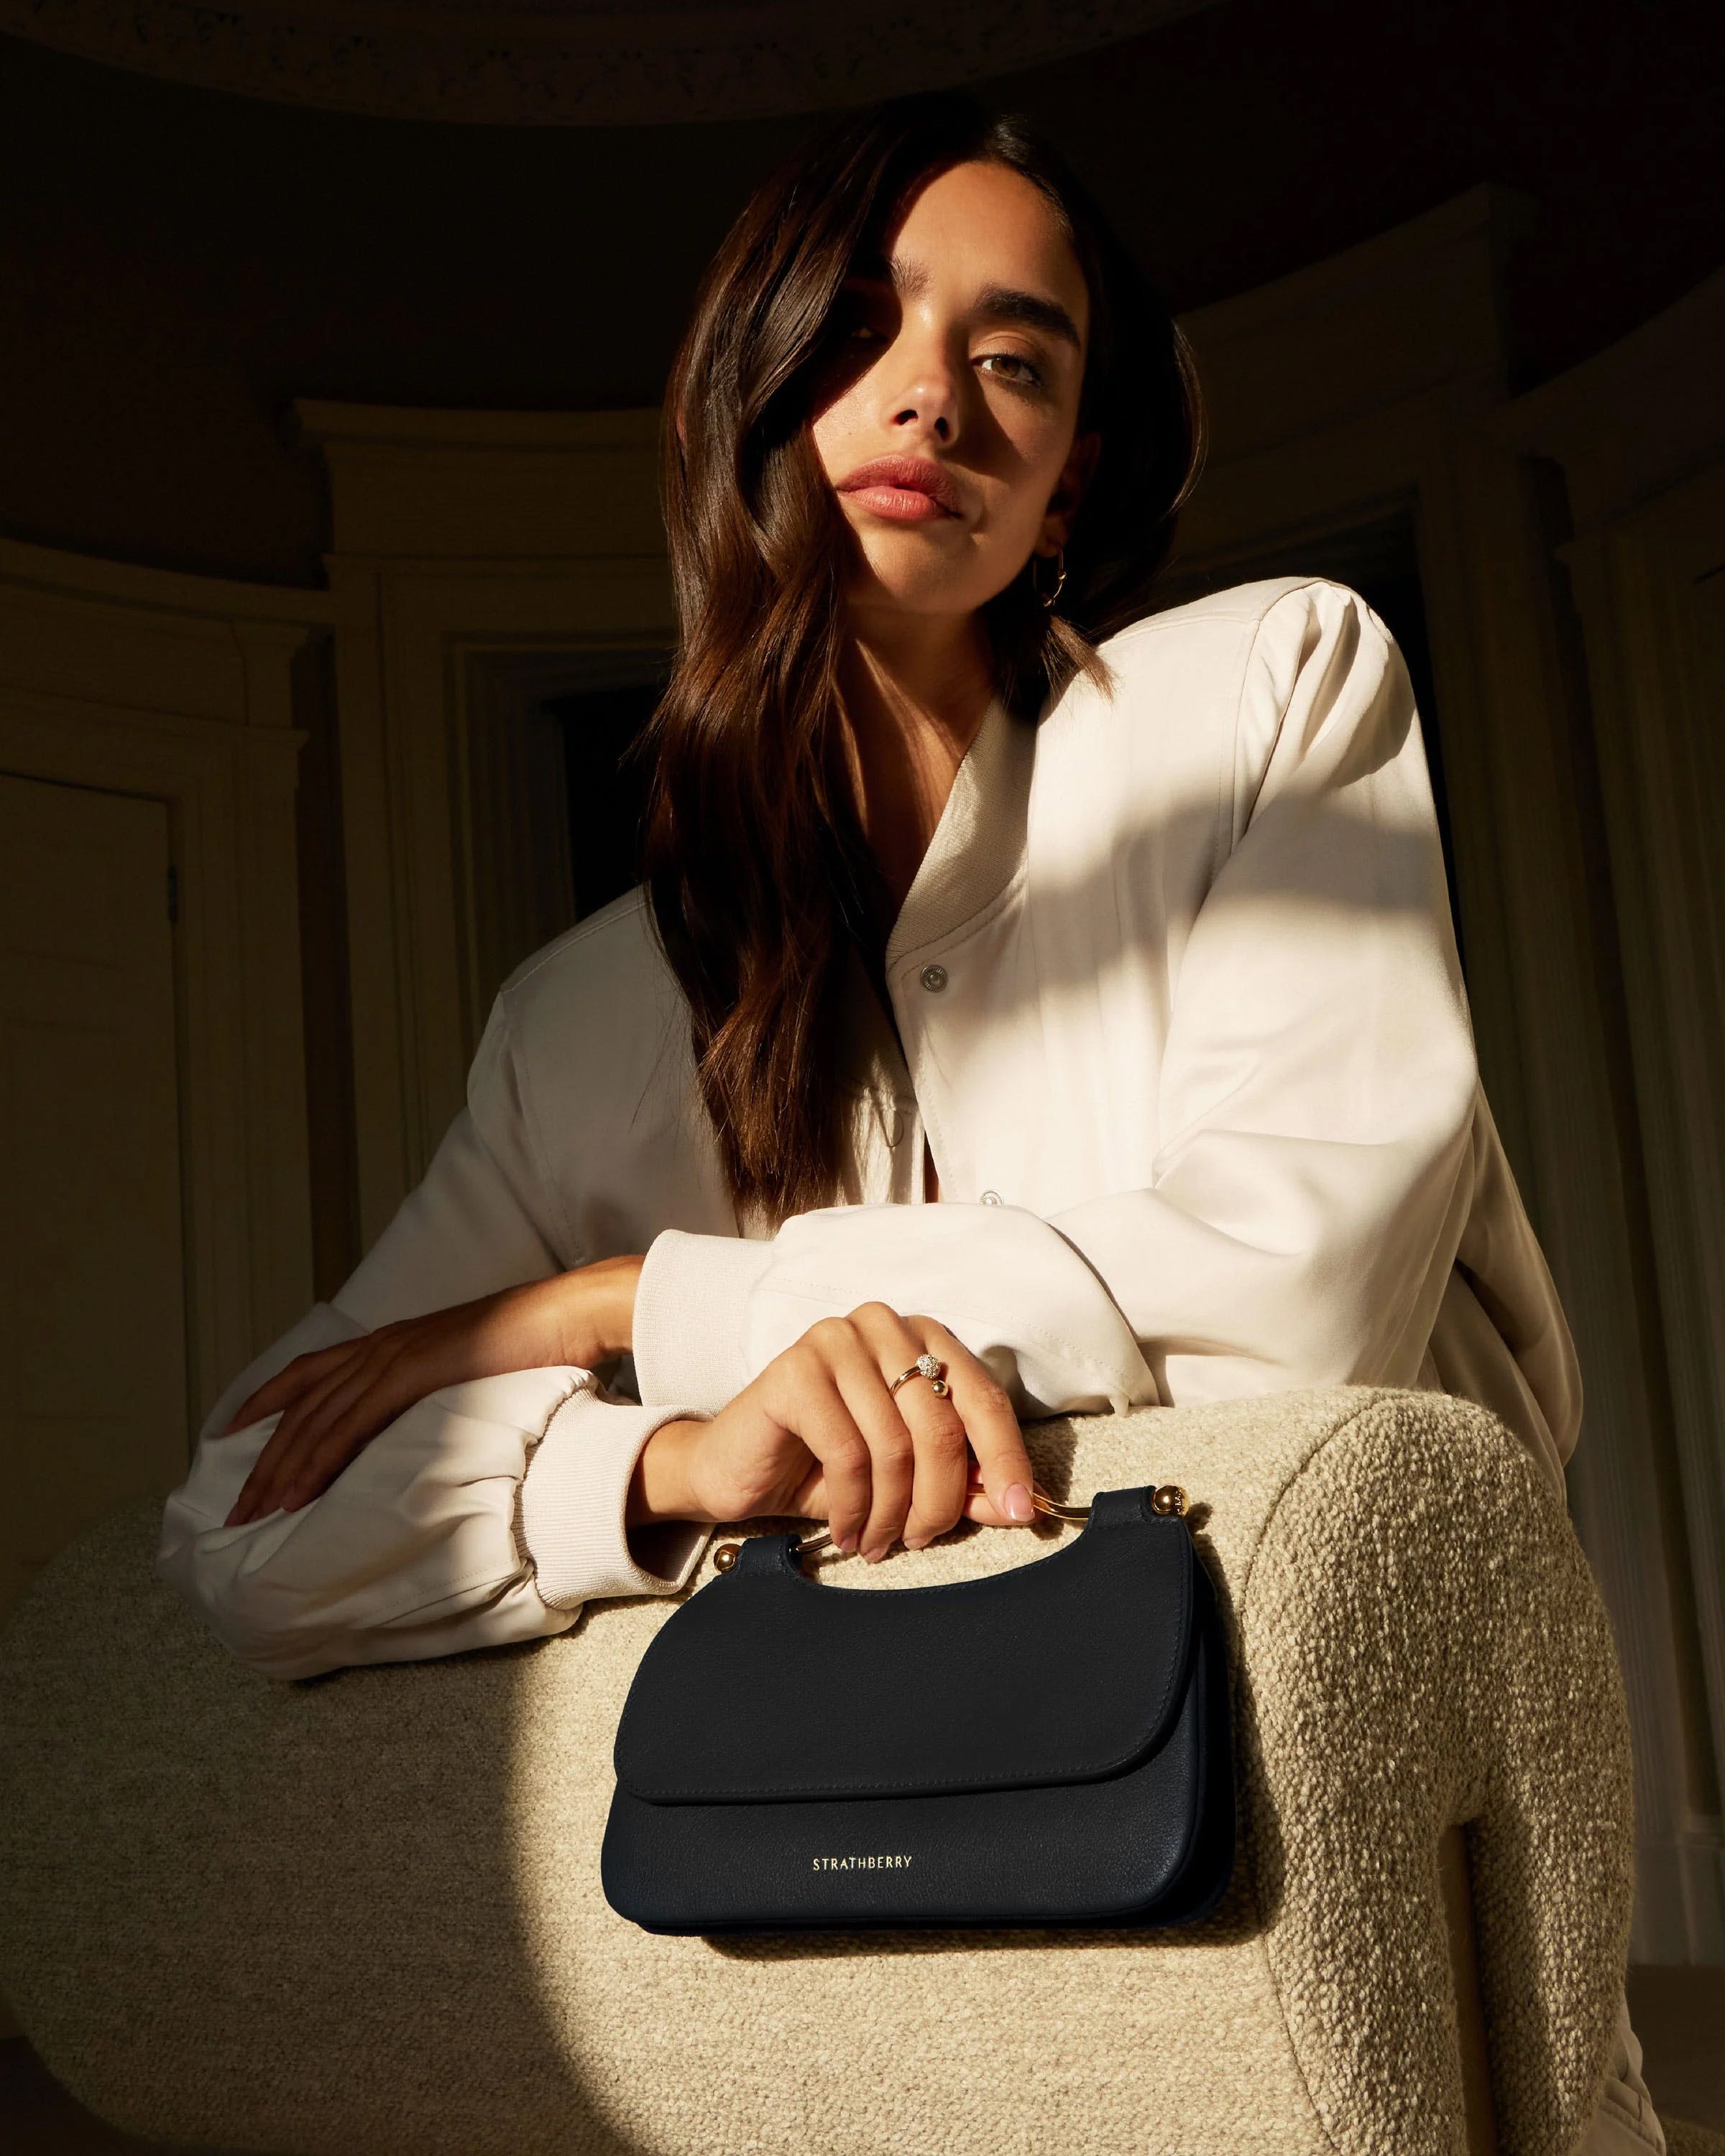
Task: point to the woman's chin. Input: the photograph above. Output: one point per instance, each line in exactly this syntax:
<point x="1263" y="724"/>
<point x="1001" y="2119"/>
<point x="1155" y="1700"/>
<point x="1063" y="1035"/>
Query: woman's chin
<point x="930" y="587"/>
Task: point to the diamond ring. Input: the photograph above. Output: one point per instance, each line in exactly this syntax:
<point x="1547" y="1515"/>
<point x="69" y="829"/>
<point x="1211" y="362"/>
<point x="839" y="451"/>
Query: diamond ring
<point x="925" y="1365"/>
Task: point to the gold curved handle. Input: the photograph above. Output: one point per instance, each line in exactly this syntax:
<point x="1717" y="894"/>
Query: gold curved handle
<point x="1168" y="1500"/>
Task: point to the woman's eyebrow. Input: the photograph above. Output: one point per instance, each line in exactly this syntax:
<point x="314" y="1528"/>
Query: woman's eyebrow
<point x="998" y="303"/>
<point x="1034" y="311"/>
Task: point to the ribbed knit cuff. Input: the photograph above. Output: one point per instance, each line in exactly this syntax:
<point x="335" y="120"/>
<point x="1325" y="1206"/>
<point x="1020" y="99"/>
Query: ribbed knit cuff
<point x="572" y="1499"/>
<point x="691" y="1302"/>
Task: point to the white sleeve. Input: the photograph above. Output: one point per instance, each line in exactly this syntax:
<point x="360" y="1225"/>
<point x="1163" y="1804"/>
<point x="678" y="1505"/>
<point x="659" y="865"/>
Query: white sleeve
<point x="1313" y="1165"/>
<point x="488" y="1512"/>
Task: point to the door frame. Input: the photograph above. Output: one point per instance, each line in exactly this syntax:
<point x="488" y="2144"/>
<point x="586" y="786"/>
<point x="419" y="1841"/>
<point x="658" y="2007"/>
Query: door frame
<point x="1638" y="433"/>
<point x="177" y="689"/>
<point x="459" y="537"/>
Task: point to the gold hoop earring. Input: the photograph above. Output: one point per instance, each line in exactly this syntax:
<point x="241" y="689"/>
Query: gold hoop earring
<point x="1048" y="598"/>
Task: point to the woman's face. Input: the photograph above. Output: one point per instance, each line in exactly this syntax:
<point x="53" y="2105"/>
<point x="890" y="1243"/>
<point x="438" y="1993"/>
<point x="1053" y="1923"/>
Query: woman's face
<point x="946" y="409"/>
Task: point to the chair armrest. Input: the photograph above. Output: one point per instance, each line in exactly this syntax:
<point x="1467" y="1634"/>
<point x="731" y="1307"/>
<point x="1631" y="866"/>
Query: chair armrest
<point x="364" y="1911"/>
<point x="1422" y="1645"/>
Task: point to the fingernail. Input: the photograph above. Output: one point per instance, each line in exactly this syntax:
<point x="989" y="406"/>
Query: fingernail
<point x="1017" y="1501"/>
<point x="915" y="1541"/>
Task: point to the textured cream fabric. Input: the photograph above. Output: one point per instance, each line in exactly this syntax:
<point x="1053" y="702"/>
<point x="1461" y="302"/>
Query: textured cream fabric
<point x="364" y="1913"/>
<point x="1184" y="1026"/>
<point x="1682" y="2138"/>
<point x="1625" y="2124"/>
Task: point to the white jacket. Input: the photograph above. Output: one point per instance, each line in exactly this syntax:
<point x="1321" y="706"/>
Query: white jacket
<point x="1184" y="1027"/>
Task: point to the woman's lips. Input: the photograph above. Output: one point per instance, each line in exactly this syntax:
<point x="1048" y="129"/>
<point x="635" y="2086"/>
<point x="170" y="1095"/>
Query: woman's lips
<point x="903" y="505"/>
<point x="906" y="490"/>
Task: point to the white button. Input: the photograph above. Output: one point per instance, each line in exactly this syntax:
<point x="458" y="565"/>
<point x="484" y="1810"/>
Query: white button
<point x="934" y="978"/>
<point x="991" y="1198"/>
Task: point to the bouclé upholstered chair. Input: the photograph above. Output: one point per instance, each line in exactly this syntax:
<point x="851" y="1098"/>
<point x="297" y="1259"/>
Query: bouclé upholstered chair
<point x="363" y="1913"/>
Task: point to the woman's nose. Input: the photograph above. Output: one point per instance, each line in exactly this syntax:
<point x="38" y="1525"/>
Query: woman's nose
<point x="923" y="390"/>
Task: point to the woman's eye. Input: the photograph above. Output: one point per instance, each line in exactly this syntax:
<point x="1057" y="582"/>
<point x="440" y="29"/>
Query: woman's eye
<point x="1012" y="366"/>
<point x="853" y="320"/>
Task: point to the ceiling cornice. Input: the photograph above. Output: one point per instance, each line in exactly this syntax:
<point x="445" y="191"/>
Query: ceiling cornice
<point x="578" y="63"/>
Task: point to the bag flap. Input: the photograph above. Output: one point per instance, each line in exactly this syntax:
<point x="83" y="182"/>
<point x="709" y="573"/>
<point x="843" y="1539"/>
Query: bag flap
<point x="768" y="1686"/>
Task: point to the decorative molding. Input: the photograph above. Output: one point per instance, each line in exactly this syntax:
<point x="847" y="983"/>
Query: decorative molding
<point x="571" y="63"/>
<point x="1425" y="296"/>
<point x="176" y="688"/>
<point x="1637" y="418"/>
<point x="1639" y="433"/>
<point x="491" y="486"/>
<point x="518" y="882"/>
<point x="464" y="542"/>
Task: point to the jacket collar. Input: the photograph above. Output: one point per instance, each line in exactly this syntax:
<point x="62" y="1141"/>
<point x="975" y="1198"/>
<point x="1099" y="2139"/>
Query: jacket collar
<point x="978" y="843"/>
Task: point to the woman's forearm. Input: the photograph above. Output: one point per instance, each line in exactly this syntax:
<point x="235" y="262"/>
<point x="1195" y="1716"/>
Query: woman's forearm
<point x="599" y="1314"/>
<point x="659" y="1489"/>
<point x="332" y="1402"/>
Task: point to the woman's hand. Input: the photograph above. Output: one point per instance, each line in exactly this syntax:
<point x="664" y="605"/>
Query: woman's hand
<point x="819" y="1435"/>
<point x="334" y="1401"/>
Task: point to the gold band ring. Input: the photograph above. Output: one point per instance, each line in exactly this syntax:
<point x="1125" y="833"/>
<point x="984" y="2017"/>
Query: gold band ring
<point x="925" y="1365"/>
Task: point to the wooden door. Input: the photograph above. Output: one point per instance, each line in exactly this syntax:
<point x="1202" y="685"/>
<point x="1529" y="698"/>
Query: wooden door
<point x="93" y="1394"/>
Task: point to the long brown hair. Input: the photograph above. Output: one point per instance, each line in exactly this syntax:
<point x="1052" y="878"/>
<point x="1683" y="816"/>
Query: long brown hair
<point x="754" y="861"/>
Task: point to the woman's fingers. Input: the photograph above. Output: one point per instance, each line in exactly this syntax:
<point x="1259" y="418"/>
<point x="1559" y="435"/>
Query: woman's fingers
<point x="332" y="1443"/>
<point x="259" y="1493"/>
<point x="324" y="1426"/>
<point x="932" y="1499"/>
<point x="823" y="1418"/>
<point x="992" y="1427"/>
<point x="290" y="1384"/>
<point x="343" y="1424"/>
<point x="899" y="1451"/>
<point x="973" y="1414"/>
<point x="811" y="1405"/>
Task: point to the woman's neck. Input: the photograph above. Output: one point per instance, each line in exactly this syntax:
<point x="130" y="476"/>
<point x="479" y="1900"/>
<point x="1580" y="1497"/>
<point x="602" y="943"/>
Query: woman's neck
<point x="915" y="689"/>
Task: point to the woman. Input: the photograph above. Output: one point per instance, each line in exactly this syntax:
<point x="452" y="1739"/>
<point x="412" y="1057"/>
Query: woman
<point x="1124" y="936"/>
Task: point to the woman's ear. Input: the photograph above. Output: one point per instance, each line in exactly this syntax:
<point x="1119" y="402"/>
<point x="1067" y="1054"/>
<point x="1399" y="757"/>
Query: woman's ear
<point x="1076" y="475"/>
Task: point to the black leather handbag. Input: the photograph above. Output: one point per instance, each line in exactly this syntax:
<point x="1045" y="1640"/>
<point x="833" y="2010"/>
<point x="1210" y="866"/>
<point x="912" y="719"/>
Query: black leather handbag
<point x="1047" y="1745"/>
